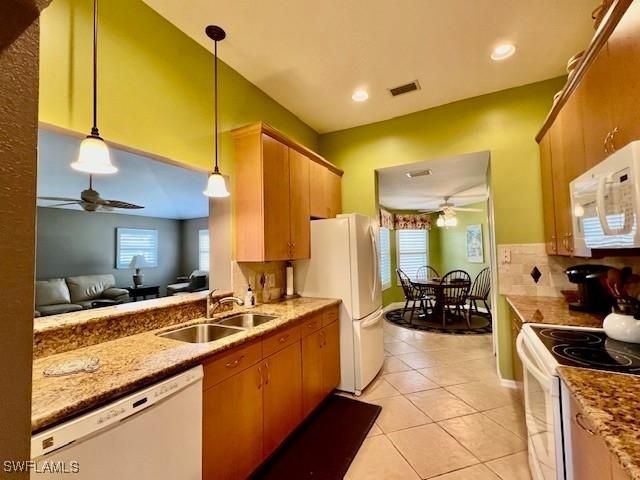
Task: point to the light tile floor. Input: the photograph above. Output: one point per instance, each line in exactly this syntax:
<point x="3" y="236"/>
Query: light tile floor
<point x="444" y="413"/>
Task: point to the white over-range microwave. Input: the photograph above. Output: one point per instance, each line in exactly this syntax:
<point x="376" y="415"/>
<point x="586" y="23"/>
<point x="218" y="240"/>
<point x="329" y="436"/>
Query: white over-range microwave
<point x="605" y="202"/>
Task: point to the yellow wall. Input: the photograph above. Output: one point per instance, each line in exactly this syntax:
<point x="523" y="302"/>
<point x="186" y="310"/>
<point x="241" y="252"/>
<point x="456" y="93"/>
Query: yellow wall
<point x="504" y="123"/>
<point x="155" y="84"/>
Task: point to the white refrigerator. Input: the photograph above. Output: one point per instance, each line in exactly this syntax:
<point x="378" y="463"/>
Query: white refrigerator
<point x="344" y="264"/>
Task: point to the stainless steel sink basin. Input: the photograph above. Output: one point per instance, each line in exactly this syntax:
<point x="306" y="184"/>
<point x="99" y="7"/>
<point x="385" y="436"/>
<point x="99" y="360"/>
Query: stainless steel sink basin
<point x="203" y="333"/>
<point x="246" y="320"/>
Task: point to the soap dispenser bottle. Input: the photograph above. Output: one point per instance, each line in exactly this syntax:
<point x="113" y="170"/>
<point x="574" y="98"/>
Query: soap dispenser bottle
<point x="249" y="298"/>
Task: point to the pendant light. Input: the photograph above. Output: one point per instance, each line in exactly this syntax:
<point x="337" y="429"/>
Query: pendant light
<point x="94" y="154"/>
<point x="216" y="186"/>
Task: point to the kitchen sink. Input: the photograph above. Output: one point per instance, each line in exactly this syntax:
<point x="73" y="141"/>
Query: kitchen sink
<point x="203" y="333"/>
<point x="246" y="320"/>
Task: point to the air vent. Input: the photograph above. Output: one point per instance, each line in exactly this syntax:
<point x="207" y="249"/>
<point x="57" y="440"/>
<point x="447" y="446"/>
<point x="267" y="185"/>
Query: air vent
<point x="406" y="88"/>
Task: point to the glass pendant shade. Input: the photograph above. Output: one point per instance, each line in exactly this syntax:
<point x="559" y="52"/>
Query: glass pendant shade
<point x="216" y="186"/>
<point x="94" y="157"/>
<point x="440" y="221"/>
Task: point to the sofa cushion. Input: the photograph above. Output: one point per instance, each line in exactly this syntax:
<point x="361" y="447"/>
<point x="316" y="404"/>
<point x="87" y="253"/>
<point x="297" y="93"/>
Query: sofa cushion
<point x="56" y="309"/>
<point x="52" y="292"/>
<point x="89" y="287"/>
<point x="119" y="294"/>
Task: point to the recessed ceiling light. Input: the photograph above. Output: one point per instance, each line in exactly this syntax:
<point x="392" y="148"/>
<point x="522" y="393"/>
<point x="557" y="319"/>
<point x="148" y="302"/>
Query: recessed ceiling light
<point x="419" y="173"/>
<point x="359" y="96"/>
<point x="502" y="51"/>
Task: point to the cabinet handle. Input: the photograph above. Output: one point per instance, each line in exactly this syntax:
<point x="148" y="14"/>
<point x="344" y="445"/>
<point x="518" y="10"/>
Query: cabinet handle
<point x="235" y="363"/>
<point x="284" y="338"/>
<point x="266" y="366"/>
<point x="580" y="422"/>
<point x="606" y="142"/>
<point x="613" y="138"/>
<point x="312" y="324"/>
<point x="260" y="377"/>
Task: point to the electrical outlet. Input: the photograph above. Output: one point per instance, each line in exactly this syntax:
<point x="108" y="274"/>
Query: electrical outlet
<point x="506" y="255"/>
<point x="271" y="279"/>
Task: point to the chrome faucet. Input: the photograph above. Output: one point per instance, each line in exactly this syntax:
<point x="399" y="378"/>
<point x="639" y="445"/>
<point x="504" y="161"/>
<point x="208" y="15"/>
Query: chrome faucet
<point x="211" y="308"/>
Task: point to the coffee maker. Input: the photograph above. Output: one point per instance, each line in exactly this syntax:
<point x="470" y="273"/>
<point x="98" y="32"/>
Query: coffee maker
<point x="592" y="296"/>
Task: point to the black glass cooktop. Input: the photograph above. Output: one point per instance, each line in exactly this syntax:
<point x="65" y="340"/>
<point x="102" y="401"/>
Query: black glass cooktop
<point x="590" y="349"/>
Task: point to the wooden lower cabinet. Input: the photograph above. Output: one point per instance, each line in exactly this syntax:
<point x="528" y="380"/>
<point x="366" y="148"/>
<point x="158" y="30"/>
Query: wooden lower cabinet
<point x="282" y="395"/>
<point x="232" y="444"/>
<point x="256" y="395"/>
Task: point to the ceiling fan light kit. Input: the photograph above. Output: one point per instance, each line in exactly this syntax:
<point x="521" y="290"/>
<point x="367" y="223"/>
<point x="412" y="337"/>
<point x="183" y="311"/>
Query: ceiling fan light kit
<point x="94" y="157"/>
<point x="216" y="185"/>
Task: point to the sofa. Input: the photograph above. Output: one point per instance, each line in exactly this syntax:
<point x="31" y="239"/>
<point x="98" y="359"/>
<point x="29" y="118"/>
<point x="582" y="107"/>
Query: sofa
<point x="196" y="282"/>
<point x="72" y="294"/>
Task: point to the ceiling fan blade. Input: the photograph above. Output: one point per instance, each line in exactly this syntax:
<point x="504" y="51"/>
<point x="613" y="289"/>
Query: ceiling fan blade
<point x="63" y="204"/>
<point x="430" y="211"/>
<point x="60" y="199"/>
<point x="119" y="204"/>
<point x="463" y="209"/>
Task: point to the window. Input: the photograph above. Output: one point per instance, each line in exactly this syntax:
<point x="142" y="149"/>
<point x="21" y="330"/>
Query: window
<point x="412" y="251"/>
<point x="385" y="258"/>
<point x="136" y="241"/>
<point x="203" y="250"/>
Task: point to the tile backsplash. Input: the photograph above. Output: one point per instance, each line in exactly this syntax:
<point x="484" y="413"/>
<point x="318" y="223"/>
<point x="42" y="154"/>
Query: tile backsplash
<point x="516" y="262"/>
<point x="267" y="280"/>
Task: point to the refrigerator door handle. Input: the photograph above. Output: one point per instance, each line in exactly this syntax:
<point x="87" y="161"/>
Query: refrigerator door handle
<point x="373" y="321"/>
<point x="374" y="245"/>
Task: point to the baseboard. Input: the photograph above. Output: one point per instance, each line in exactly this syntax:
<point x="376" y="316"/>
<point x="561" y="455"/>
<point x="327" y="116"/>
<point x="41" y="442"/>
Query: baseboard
<point x="508" y="383"/>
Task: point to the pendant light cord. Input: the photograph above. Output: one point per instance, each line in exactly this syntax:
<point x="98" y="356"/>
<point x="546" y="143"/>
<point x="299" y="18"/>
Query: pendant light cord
<point x="215" y="100"/>
<point x="94" y="128"/>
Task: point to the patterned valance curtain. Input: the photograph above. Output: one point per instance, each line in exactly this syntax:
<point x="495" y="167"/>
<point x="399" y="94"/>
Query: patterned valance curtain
<point x="412" y="221"/>
<point x="386" y="219"/>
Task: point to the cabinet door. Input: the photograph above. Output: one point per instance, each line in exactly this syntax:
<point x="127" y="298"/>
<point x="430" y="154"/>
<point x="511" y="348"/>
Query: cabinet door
<point x="330" y="357"/>
<point x="317" y="191"/>
<point x="312" y="379"/>
<point x="568" y="162"/>
<point x="590" y="456"/>
<point x="232" y="426"/>
<point x="546" y="174"/>
<point x="282" y="395"/>
<point x="624" y="63"/>
<point x="299" y="205"/>
<point x="596" y="90"/>
<point x="276" y="207"/>
<point x="334" y="187"/>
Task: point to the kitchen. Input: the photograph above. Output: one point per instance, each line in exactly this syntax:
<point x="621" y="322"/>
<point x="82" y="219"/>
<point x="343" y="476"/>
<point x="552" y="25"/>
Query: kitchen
<point x="165" y="108"/>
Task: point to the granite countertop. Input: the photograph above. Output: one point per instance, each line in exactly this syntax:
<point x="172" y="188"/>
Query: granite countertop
<point x="610" y="403"/>
<point x="135" y="361"/>
<point x="551" y="310"/>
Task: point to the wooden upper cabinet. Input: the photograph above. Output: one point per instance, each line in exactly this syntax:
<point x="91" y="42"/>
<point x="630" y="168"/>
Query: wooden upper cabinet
<point x="624" y="67"/>
<point x="299" y="166"/>
<point x="546" y="176"/>
<point x="595" y="94"/>
<point x="275" y="171"/>
<point x="275" y="190"/>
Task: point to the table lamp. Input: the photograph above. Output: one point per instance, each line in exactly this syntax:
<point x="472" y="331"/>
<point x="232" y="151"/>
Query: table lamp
<point x="138" y="262"/>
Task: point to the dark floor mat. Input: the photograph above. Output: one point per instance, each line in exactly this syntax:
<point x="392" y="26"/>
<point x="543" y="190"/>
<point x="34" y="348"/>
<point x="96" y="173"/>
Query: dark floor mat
<point x="325" y="445"/>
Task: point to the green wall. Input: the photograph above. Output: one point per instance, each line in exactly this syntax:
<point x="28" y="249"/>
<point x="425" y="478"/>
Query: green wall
<point x="504" y="123"/>
<point x="155" y="84"/>
<point x="453" y="242"/>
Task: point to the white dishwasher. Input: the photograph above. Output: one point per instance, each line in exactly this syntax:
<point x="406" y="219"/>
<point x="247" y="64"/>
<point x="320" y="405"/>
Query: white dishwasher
<point x="155" y="433"/>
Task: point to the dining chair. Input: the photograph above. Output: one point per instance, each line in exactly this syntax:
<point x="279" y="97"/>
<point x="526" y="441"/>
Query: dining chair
<point x="411" y="294"/>
<point x="428" y="294"/>
<point x="480" y="292"/>
<point x="455" y="287"/>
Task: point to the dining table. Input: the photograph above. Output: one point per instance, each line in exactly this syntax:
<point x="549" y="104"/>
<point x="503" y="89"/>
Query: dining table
<point x="435" y="289"/>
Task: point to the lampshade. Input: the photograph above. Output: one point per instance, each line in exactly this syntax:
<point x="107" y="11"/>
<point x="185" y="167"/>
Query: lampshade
<point x="440" y="221"/>
<point x="138" y="261"/>
<point x="94" y="157"/>
<point x="451" y="222"/>
<point x="216" y="186"/>
<point x="578" y="210"/>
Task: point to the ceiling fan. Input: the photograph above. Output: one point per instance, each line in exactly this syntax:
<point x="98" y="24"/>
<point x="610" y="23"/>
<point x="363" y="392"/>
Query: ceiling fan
<point x="91" y="201"/>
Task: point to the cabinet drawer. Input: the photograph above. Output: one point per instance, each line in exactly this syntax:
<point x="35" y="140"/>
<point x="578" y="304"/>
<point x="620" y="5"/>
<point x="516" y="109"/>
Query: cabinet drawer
<point x="330" y="315"/>
<point x="311" y="324"/>
<point x="229" y="363"/>
<point x="279" y="340"/>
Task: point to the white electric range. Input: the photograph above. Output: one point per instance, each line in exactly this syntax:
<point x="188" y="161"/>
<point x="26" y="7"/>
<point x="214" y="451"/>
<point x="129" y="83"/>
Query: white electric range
<point x="542" y="349"/>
